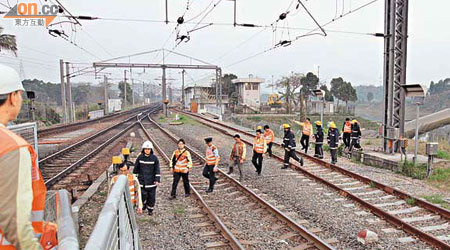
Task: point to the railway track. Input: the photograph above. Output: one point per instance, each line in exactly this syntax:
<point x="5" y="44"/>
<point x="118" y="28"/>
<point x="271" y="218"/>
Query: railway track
<point x="245" y="219"/>
<point x="57" y="167"/>
<point x="47" y="132"/>
<point x="417" y="217"/>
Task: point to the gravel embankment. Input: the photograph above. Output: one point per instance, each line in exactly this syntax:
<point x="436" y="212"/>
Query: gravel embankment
<point x="304" y="199"/>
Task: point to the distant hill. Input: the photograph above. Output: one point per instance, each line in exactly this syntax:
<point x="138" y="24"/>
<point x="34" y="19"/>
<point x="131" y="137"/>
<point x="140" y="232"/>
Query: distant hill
<point x="361" y="92"/>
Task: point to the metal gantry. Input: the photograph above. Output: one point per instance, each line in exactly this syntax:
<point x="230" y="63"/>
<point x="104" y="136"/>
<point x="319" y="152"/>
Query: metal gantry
<point x="394" y="70"/>
<point x="103" y="65"/>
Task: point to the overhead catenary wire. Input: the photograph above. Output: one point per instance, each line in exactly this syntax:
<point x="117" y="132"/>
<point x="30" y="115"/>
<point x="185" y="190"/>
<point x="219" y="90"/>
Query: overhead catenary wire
<point x="311" y="32"/>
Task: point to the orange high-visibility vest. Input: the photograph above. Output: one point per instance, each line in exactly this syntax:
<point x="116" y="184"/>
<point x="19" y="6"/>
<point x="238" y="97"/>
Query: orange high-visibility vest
<point x="210" y="156"/>
<point x="182" y="164"/>
<point x="258" y="145"/>
<point x="347" y="127"/>
<point x="269" y="136"/>
<point x="131" y="186"/>
<point x="10" y="142"/>
<point x="307" y="129"/>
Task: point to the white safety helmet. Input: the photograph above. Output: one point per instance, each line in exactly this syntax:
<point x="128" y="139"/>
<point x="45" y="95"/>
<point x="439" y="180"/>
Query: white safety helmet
<point x="147" y="144"/>
<point x="9" y="80"/>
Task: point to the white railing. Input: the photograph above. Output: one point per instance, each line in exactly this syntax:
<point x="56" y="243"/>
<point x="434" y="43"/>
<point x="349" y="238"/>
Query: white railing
<point x="116" y="226"/>
<point x="67" y="233"/>
<point x="29" y="132"/>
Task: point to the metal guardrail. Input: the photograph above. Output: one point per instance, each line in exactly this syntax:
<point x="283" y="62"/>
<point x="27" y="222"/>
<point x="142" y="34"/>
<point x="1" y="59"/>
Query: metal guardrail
<point x="67" y="233"/>
<point x="116" y="226"/>
<point x="28" y="131"/>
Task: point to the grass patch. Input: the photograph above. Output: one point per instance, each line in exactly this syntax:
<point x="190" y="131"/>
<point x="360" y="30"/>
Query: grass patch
<point x="411" y="201"/>
<point x="437" y="199"/>
<point x="443" y="155"/>
<point x="418" y="171"/>
<point x="372" y="184"/>
<point x="440" y="174"/>
<point x="254" y="118"/>
<point x="179" y="210"/>
<point x="162" y="119"/>
<point x="187" y="120"/>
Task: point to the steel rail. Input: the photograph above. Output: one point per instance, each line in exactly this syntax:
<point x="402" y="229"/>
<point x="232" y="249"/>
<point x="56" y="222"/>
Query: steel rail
<point x="64" y="127"/>
<point x="396" y="221"/>
<point x="312" y="238"/>
<point x="85" y="140"/>
<point x="53" y="180"/>
<point x="232" y="240"/>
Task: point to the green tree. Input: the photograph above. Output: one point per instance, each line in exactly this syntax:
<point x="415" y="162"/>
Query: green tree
<point x="369" y="96"/>
<point x="289" y="84"/>
<point x="336" y="89"/>
<point x="328" y="96"/>
<point x="343" y="91"/>
<point x="8" y="42"/>
<point x="228" y="87"/>
<point x="309" y="83"/>
<point x="349" y="94"/>
<point x="129" y="92"/>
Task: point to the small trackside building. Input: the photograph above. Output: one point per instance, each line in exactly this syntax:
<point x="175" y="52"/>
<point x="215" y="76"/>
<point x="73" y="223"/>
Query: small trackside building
<point x="249" y="92"/>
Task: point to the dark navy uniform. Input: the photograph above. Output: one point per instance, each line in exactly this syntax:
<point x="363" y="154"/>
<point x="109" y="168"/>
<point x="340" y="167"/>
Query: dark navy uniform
<point x="148" y="172"/>
<point x="319" y="142"/>
<point x="333" y="143"/>
<point x="289" y="148"/>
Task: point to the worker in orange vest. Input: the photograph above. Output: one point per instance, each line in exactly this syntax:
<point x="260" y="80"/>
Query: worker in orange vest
<point x="181" y="165"/>
<point x="237" y="156"/>
<point x="269" y="136"/>
<point x="346" y="132"/>
<point x="306" y="133"/>
<point x="212" y="162"/>
<point x="259" y="147"/>
<point x="133" y="184"/>
<point x="22" y="188"/>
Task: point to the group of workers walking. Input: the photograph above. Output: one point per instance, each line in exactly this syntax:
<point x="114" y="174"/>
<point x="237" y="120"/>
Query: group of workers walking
<point x="351" y="135"/>
<point x="147" y="168"/>
<point x="22" y="188"/>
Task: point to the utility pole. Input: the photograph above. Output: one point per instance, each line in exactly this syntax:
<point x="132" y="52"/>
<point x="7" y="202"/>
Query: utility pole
<point x="125" y="89"/>
<point x="69" y="94"/>
<point x="143" y="93"/>
<point x="105" y="78"/>
<point x="164" y="90"/>
<point x="132" y="90"/>
<point x="63" y="91"/>
<point x="182" y="89"/>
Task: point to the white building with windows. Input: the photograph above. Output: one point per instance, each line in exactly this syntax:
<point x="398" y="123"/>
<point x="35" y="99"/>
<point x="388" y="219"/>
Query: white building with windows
<point x="249" y="91"/>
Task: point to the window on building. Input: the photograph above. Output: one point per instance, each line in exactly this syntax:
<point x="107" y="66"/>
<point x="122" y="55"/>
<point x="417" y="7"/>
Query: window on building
<point x="255" y="86"/>
<point x="248" y="86"/>
<point x="202" y="106"/>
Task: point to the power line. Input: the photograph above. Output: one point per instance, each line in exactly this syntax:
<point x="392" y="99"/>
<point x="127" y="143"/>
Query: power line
<point x="311" y="32"/>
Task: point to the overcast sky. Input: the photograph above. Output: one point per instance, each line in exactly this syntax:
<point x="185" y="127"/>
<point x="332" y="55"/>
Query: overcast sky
<point x="357" y="58"/>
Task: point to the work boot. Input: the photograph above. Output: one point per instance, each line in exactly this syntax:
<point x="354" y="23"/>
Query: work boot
<point x="144" y="207"/>
<point x="150" y="211"/>
<point x="230" y="171"/>
<point x="172" y="197"/>
<point x="187" y="195"/>
<point x="209" y="190"/>
<point x="284" y="167"/>
<point x="301" y="162"/>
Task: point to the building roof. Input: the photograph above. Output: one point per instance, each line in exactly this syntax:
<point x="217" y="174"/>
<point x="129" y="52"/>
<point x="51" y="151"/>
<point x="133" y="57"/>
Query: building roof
<point x="252" y="80"/>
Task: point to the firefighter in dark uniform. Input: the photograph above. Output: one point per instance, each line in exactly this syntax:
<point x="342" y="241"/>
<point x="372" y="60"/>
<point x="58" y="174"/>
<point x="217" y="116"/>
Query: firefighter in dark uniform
<point x="146" y="168"/>
<point x="356" y="136"/>
<point x="333" y="141"/>
<point x="289" y="146"/>
<point x="319" y="140"/>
